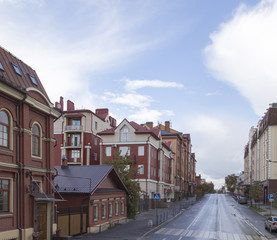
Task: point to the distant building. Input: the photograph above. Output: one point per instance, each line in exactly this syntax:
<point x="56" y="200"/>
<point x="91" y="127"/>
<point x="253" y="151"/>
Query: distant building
<point x="260" y="155"/>
<point x="184" y="160"/>
<point x="76" y="134"/>
<point x="26" y="152"/>
<point x="152" y="156"/>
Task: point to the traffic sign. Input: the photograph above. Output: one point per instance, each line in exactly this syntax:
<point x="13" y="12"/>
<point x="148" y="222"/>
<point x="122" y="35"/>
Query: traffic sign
<point x="157" y="196"/>
<point x="271" y="196"/>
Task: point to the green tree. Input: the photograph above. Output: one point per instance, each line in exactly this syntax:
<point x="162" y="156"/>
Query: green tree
<point x="256" y="191"/>
<point x="231" y="182"/>
<point x="125" y="166"/>
<point x="204" y="188"/>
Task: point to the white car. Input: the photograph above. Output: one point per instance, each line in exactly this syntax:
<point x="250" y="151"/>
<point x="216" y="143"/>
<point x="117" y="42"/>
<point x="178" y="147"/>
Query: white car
<point x="271" y="223"/>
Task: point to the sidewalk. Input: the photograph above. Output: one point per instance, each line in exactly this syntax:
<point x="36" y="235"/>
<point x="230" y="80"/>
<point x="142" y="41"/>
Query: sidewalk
<point x="267" y="210"/>
<point x="143" y="224"/>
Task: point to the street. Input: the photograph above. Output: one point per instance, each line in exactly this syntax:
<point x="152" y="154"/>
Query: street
<point x="216" y="216"/>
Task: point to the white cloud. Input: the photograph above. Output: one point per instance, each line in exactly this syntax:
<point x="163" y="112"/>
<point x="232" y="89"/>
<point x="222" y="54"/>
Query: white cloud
<point x="144" y="115"/>
<point x="218" y="142"/>
<point x="132" y="85"/>
<point x="243" y="52"/>
<point x="129" y="99"/>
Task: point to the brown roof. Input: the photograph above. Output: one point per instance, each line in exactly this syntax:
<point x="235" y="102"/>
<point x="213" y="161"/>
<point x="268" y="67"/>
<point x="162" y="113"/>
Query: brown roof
<point x="25" y="77"/>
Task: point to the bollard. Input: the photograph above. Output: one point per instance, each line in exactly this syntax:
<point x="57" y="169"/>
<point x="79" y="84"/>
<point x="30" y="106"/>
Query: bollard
<point x="150" y="223"/>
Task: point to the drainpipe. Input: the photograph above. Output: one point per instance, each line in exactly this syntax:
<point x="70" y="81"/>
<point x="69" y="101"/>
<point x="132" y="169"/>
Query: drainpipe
<point x="18" y="188"/>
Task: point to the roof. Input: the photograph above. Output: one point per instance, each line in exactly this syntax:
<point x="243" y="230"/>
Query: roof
<point x="84" y="179"/>
<point x="25" y="78"/>
<point x="138" y="130"/>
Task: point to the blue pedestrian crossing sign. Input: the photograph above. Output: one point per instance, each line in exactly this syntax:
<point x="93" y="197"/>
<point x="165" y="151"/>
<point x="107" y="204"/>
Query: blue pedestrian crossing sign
<point x="157" y="196"/>
<point x="271" y="196"/>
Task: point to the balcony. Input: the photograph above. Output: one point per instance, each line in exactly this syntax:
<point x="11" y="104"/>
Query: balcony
<point x="72" y="145"/>
<point x="73" y="128"/>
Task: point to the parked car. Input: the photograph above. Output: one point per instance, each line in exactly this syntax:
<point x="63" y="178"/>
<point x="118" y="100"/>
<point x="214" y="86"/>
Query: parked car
<point x="271" y="223"/>
<point x="242" y="199"/>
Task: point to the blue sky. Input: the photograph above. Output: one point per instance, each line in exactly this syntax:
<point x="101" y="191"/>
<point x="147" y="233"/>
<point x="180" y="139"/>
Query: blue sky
<point x="207" y="66"/>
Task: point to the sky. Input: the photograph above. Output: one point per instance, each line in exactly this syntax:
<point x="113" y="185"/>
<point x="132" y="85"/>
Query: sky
<point x="207" y="66"/>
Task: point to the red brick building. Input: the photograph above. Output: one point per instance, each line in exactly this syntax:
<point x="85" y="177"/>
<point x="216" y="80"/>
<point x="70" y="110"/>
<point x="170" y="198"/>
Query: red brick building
<point x="95" y="198"/>
<point x="26" y="156"/>
<point x="152" y="157"/>
<point x="76" y="134"/>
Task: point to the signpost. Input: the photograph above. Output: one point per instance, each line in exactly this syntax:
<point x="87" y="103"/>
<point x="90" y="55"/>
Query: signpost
<point x="271" y="199"/>
<point x="156" y="197"/>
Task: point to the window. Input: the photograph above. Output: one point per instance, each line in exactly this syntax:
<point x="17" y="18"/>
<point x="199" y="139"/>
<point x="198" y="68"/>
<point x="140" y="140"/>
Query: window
<point x="76" y="122"/>
<point x="35" y="140"/>
<point x="4" y="195"/>
<point x="116" y="208"/>
<point x="95" y="125"/>
<point x="33" y="80"/>
<point x="141" y="151"/>
<point x="141" y="169"/>
<point x="95" y="156"/>
<point x="103" y="209"/>
<point x="75" y="140"/>
<point x="110" y="209"/>
<point x="75" y="154"/>
<point x="122" y="208"/>
<point x="1" y="67"/>
<point x="124" y="134"/>
<point x="124" y="151"/>
<point x="16" y="69"/>
<point x="4" y="129"/>
<point x="108" y="151"/>
<point x="95" y="141"/>
<point x="95" y="212"/>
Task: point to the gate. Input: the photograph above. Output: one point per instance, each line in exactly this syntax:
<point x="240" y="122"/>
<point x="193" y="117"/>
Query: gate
<point x="72" y="220"/>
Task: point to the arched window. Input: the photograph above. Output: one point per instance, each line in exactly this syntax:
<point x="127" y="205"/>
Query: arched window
<point x="124" y="134"/>
<point x="4" y="129"/>
<point x="35" y="140"/>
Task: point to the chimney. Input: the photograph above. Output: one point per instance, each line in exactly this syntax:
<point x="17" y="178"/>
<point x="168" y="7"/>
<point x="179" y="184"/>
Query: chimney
<point x="167" y="126"/>
<point x="70" y="106"/>
<point x="149" y="125"/>
<point x="59" y="105"/>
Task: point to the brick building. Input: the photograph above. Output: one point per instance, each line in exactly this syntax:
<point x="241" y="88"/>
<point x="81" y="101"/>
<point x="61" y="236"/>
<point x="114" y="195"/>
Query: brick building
<point x="76" y="134"/>
<point x="95" y="198"/>
<point x="26" y="156"/>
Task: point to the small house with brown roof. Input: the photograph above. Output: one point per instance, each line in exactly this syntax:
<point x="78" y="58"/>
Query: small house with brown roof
<point x="92" y="198"/>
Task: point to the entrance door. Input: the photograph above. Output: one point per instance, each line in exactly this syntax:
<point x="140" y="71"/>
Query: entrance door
<point x="42" y="220"/>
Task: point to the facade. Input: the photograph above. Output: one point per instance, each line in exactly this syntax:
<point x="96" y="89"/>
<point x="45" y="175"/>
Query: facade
<point x="184" y="160"/>
<point x="26" y="156"/>
<point x="260" y="156"/>
<point x="152" y="156"/>
<point x="93" y="198"/>
<point x="76" y="134"/>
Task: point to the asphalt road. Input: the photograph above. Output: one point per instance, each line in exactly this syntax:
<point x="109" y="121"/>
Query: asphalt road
<point x="216" y="216"/>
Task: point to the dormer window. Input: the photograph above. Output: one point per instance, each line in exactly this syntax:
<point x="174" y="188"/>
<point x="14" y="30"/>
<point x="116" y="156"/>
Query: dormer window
<point x="33" y="80"/>
<point x="1" y="67"/>
<point x="16" y="69"/>
<point x="124" y="134"/>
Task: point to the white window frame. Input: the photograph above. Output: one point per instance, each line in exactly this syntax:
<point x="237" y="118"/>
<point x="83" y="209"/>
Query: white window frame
<point x="141" y="169"/>
<point x="95" y="212"/>
<point x="108" y="151"/>
<point x="124" y="134"/>
<point x="140" y="150"/>
<point x="110" y="209"/>
<point x="124" y="150"/>
<point x="103" y="210"/>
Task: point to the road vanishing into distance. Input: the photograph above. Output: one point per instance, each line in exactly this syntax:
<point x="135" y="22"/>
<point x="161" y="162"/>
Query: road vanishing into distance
<point x="216" y="216"/>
